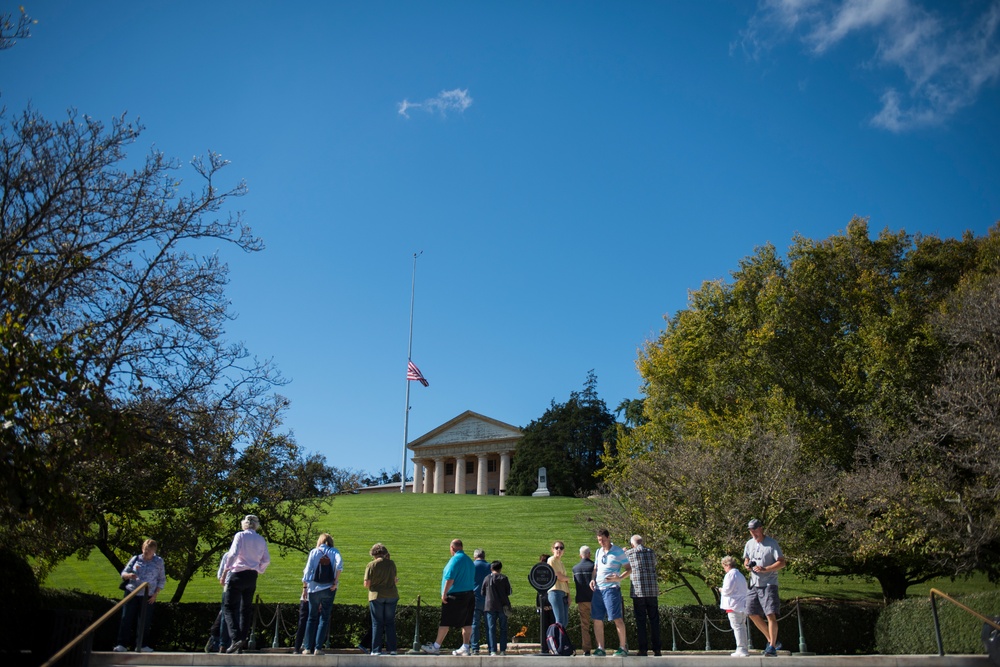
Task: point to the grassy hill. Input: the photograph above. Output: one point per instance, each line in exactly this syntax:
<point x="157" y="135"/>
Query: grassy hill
<point x="417" y="529"/>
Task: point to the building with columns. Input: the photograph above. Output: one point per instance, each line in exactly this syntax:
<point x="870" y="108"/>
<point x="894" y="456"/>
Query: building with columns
<point x="469" y="454"/>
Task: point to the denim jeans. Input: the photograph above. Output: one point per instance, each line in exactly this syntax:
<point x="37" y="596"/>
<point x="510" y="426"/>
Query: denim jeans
<point x="131" y="613"/>
<point x="496" y="640"/>
<point x="318" y="627"/>
<point x="478" y="618"/>
<point x="560" y="607"/>
<point x="383" y="611"/>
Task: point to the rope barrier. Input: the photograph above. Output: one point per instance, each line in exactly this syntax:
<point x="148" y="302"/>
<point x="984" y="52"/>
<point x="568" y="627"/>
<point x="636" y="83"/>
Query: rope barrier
<point x="707" y="623"/>
<point x="280" y="627"/>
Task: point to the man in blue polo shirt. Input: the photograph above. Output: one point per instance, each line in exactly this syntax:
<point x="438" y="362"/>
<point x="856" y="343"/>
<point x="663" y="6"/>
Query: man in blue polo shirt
<point x="458" y="601"/>
<point x="611" y="567"/>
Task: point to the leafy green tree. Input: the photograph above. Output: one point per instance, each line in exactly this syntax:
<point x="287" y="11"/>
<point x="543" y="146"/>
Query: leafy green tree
<point x="120" y="395"/>
<point x="832" y="349"/>
<point x="569" y="440"/>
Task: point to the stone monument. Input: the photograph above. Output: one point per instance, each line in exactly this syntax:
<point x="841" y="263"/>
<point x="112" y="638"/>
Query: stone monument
<point x="543" y="485"/>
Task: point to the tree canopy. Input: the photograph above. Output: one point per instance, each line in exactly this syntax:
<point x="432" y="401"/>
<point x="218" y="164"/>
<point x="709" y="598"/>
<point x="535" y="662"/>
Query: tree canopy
<point x="569" y="440"/>
<point x="125" y="411"/>
<point x="777" y="394"/>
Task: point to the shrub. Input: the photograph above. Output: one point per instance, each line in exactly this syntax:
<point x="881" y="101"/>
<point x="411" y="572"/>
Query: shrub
<point x="907" y="626"/>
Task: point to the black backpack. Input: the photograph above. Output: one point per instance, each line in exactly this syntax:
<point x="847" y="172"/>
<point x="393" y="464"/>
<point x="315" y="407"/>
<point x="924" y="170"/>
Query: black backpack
<point x="558" y="640"/>
<point x="324" y="571"/>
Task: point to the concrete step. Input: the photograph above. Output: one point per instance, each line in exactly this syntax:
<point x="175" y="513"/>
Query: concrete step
<point x="353" y="658"/>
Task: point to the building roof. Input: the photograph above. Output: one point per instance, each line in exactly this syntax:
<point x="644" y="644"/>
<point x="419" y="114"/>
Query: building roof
<point x="468" y="427"/>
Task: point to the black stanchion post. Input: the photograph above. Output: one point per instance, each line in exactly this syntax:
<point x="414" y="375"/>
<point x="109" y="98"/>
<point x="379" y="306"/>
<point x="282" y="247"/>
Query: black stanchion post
<point x="416" y="630"/>
<point x="141" y="630"/>
<point x="277" y="622"/>
<point x="803" y="649"/>
<point x="252" y="640"/>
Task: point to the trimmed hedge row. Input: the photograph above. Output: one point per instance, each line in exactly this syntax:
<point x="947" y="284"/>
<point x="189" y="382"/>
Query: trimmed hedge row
<point x="907" y="626"/>
<point x="828" y="627"/>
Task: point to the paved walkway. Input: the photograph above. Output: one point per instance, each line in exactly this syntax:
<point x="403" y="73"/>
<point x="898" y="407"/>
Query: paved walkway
<point x="279" y="658"/>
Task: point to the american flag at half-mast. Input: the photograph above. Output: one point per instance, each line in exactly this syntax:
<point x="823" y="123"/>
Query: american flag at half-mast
<point x="413" y="373"/>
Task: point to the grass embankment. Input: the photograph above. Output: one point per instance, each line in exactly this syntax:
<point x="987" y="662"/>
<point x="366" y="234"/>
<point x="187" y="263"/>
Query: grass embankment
<point x="417" y="529"/>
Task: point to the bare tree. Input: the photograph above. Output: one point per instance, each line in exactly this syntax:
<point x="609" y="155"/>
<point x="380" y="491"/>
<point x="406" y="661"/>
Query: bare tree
<point x="112" y="322"/>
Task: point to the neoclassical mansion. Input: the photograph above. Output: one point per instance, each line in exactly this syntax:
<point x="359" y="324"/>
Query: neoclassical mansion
<point x="469" y="454"/>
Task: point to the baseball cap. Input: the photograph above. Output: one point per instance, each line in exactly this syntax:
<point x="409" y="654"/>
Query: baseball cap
<point x="754" y="524"/>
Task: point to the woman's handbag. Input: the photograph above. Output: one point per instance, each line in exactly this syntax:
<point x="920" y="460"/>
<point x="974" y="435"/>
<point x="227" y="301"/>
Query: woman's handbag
<point x="128" y="568"/>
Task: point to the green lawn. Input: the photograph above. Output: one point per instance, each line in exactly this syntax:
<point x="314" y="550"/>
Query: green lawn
<point x="417" y="529"/>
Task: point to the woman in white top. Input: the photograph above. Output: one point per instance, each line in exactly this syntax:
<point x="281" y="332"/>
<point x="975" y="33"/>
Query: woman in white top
<point x="733" y="598"/>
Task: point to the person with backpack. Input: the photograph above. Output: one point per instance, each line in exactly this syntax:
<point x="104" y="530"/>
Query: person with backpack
<point x="496" y="594"/>
<point x="320" y="580"/>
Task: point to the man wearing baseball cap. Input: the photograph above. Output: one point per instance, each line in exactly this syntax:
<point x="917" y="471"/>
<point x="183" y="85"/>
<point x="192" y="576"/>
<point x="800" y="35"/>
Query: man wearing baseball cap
<point x="763" y="557"/>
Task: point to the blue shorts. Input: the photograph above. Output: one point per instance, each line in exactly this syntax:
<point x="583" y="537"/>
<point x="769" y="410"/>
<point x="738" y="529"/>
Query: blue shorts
<point x="606" y="605"/>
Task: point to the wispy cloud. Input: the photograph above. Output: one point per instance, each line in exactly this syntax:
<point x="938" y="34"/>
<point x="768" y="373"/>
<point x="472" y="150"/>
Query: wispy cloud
<point x="945" y="65"/>
<point x="446" y="102"/>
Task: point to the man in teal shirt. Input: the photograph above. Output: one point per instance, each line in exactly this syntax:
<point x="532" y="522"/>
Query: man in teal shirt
<point x="458" y="601"/>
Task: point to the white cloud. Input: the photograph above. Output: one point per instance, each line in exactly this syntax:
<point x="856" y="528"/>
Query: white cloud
<point x="447" y="101"/>
<point x="944" y="64"/>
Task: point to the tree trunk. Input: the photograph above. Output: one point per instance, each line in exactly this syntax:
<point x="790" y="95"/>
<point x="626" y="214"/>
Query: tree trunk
<point x="893" y="582"/>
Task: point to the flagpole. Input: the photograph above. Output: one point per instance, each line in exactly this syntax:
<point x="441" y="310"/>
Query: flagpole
<point x="406" y="412"/>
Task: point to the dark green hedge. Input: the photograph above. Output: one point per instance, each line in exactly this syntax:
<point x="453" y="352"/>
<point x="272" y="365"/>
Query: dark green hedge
<point x="907" y="626"/>
<point x="829" y="627"/>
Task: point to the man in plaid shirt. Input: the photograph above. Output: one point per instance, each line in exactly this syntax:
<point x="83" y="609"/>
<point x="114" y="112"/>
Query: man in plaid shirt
<point x="644" y="591"/>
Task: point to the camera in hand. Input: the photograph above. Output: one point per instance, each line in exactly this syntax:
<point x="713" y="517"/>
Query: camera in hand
<point x="753" y="564"/>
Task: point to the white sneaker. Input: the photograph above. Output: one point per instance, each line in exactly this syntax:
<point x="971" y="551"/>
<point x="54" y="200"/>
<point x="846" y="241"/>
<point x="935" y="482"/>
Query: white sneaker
<point x="119" y="649"/>
<point x="430" y="648"/>
<point x="375" y="653"/>
<point x="493" y="654"/>
<point x="306" y="651"/>
<point x="740" y="654"/>
<point x="146" y="649"/>
<point x="462" y="650"/>
<point x="318" y="651"/>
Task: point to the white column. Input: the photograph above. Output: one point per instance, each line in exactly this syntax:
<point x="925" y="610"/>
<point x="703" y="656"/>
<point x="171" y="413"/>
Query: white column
<point x="418" y="475"/>
<point x="459" y="475"/>
<point x="429" y="476"/>
<point x="439" y="475"/>
<point x="504" y="472"/>
<point x="481" y="475"/>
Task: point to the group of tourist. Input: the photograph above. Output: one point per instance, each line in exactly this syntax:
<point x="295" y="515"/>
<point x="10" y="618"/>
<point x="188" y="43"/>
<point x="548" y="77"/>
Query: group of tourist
<point x="470" y="590"/>
<point x="474" y="593"/>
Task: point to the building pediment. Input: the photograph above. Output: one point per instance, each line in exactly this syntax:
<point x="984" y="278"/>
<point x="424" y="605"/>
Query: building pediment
<point x="469" y="429"/>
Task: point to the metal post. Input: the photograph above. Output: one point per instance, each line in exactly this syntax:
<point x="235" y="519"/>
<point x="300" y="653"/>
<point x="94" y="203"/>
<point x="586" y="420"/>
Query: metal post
<point x="708" y="645"/>
<point x="416" y="630"/>
<point x="937" y="625"/>
<point x="406" y="413"/>
<point x="252" y="639"/>
<point x="803" y="649"/>
<point x="748" y="625"/>
<point x="141" y="630"/>
<point x="277" y="624"/>
<point x="673" y="634"/>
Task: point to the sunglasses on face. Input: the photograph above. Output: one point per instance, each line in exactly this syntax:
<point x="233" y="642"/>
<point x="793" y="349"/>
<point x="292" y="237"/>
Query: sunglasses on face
<point x="558" y="548"/>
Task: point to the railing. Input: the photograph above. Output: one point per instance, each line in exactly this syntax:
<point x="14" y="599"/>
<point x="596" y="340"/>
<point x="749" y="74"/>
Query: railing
<point x="937" y="625"/>
<point x="99" y="622"/>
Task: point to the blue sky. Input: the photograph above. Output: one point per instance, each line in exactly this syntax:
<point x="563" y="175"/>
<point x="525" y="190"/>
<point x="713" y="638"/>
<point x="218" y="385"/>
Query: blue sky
<point x="570" y="170"/>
